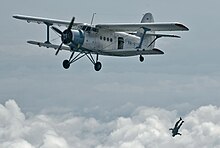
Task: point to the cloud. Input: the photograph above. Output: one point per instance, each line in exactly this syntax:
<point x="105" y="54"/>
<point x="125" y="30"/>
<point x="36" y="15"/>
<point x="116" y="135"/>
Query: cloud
<point x="51" y="139"/>
<point x="19" y="143"/>
<point x="144" y="127"/>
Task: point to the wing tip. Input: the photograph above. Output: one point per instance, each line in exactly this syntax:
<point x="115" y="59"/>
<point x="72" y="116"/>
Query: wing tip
<point x="182" y="26"/>
<point x="18" y="16"/>
<point x="15" y="16"/>
<point x="158" y="51"/>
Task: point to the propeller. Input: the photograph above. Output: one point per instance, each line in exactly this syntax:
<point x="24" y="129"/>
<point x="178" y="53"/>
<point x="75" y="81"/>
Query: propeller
<point x="71" y="23"/>
<point x="59" y="48"/>
<point x="57" y="30"/>
<point x="66" y="35"/>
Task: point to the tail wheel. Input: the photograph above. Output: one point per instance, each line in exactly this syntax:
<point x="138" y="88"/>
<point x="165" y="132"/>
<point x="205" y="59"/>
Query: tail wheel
<point x="66" y="64"/>
<point x="141" y="58"/>
<point x="98" y="66"/>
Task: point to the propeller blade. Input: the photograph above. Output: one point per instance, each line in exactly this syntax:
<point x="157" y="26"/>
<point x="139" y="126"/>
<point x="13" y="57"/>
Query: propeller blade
<point x="71" y="23"/>
<point x="59" y="48"/>
<point x="57" y="30"/>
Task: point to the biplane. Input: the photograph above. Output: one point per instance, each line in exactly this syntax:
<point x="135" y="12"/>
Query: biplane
<point x="108" y="39"/>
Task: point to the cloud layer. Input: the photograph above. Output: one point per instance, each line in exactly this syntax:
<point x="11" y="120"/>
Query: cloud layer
<point x="144" y="127"/>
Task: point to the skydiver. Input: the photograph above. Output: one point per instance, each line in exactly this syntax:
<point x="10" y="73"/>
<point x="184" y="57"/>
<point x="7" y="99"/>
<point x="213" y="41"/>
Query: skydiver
<point x="176" y="128"/>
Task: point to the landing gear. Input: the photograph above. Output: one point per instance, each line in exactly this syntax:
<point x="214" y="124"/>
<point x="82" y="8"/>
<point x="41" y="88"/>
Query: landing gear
<point x="98" y="66"/>
<point x="141" y="58"/>
<point x="96" y="63"/>
<point x="66" y="64"/>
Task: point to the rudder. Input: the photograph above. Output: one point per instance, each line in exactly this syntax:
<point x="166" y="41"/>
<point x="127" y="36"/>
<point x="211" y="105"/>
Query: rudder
<point x="147" y="18"/>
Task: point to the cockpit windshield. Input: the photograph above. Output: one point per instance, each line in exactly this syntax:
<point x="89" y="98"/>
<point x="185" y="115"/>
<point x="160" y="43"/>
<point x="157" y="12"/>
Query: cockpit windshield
<point x="88" y="28"/>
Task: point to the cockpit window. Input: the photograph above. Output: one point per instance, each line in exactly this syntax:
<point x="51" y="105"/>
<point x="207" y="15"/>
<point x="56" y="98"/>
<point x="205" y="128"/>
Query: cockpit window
<point x="84" y="27"/>
<point x="88" y="28"/>
<point x="94" y="29"/>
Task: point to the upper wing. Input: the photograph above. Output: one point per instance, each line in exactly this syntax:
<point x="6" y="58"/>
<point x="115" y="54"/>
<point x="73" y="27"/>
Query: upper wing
<point x="40" y="20"/>
<point x="126" y="27"/>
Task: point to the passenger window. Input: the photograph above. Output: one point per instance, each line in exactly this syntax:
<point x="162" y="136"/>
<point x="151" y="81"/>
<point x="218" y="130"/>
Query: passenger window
<point x="104" y="38"/>
<point x="100" y="37"/>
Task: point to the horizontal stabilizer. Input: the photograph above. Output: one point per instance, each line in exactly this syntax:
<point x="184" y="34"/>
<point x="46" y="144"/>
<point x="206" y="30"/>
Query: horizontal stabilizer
<point x="162" y="35"/>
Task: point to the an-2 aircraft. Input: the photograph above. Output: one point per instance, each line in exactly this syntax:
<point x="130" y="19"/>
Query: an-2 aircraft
<point x="115" y="39"/>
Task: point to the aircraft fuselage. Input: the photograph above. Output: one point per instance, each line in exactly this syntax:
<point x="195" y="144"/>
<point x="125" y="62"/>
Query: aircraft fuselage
<point x="115" y="41"/>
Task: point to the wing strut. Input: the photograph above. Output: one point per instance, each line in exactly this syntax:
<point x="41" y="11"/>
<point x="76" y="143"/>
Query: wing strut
<point x="157" y="37"/>
<point x="142" y="37"/>
<point x="48" y="32"/>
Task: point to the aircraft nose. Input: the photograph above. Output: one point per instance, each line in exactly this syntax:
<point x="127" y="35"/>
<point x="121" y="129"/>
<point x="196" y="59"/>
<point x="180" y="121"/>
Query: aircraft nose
<point x="67" y="36"/>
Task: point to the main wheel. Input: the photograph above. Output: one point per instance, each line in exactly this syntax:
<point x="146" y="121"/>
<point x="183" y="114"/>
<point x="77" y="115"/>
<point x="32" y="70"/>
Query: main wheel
<point x="141" y="58"/>
<point x="66" y="64"/>
<point x="98" y="66"/>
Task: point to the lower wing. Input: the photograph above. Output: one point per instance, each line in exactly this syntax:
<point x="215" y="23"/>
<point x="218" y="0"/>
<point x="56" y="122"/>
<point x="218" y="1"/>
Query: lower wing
<point x="131" y="52"/>
<point x="118" y="52"/>
<point x="48" y="45"/>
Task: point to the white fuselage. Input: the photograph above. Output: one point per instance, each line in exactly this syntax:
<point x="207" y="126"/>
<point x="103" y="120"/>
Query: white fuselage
<point x="116" y="43"/>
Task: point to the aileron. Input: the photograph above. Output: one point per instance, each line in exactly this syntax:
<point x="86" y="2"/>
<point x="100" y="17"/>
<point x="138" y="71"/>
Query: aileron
<point x="40" y="20"/>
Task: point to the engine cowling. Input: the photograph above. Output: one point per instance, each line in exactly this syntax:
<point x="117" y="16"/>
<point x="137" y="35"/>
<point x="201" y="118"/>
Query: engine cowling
<point x="78" y="38"/>
<point x="73" y="38"/>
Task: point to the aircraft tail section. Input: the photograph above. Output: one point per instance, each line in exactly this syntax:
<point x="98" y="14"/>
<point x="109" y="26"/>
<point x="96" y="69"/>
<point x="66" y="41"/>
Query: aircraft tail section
<point x="147" y="18"/>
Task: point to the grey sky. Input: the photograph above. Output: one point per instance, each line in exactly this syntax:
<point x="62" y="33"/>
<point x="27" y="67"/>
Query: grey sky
<point x="188" y="73"/>
<point x="185" y="78"/>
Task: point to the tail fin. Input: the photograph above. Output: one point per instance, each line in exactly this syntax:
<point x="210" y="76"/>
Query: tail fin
<point x="147" y="18"/>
